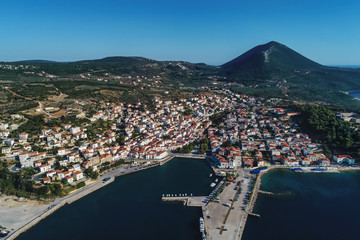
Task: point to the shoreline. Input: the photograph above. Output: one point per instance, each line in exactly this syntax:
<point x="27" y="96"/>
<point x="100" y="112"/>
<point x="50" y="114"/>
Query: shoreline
<point x="80" y="193"/>
<point x="257" y="188"/>
<point x="121" y="171"/>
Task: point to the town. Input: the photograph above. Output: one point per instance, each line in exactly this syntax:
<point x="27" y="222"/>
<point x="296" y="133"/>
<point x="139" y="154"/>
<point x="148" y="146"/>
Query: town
<point x="242" y="131"/>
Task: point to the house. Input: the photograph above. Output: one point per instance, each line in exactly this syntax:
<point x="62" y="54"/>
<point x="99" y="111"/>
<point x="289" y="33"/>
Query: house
<point x="325" y="162"/>
<point x="6" y="150"/>
<point x="61" y="152"/>
<point x="160" y="155"/>
<point x="293" y="163"/>
<point x="224" y="163"/>
<point x="46" y="180"/>
<point x="37" y="163"/>
<point x="51" y="173"/>
<point x="69" y="179"/>
<point x="78" y="175"/>
<point x="260" y="162"/>
<point x="248" y="162"/>
<point x="45" y="168"/>
<point x="305" y="161"/>
<point x="341" y="159"/>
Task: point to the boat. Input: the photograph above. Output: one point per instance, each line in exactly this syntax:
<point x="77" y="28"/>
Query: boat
<point x="202" y="227"/>
<point x="212" y="184"/>
<point x="210" y="175"/>
<point x="216" y="180"/>
<point x="203" y="236"/>
<point x="4" y="233"/>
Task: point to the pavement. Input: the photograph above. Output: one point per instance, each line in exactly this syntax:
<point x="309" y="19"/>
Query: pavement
<point x="222" y="221"/>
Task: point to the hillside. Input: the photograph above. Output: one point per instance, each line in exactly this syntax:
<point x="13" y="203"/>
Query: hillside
<point x="264" y="60"/>
<point x="275" y="70"/>
<point x="269" y="70"/>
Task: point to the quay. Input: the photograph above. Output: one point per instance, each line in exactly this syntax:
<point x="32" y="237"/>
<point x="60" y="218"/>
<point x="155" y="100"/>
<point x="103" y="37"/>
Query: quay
<point x="196" y="201"/>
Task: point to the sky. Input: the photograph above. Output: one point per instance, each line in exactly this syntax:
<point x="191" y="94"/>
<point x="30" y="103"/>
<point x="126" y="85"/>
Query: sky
<point x="211" y="32"/>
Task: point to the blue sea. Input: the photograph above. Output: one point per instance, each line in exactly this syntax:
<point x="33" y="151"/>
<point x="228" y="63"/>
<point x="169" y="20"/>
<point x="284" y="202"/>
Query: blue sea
<point x="131" y="207"/>
<point x="312" y="206"/>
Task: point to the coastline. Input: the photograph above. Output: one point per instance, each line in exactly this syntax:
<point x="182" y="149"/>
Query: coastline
<point x="48" y="209"/>
<point x="257" y="189"/>
<point x="122" y="170"/>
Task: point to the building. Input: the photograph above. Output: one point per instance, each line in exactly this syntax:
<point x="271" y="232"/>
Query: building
<point x="78" y="175"/>
<point x="69" y="179"/>
<point x="341" y="159"/>
<point x="44" y="168"/>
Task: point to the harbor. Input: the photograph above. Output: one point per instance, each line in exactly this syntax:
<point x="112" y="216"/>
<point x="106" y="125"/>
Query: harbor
<point x="226" y="208"/>
<point x="125" y="197"/>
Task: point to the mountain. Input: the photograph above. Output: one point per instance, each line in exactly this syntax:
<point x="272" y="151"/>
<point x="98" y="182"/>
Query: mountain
<point x="275" y="70"/>
<point x="268" y="70"/>
<point x="264" y="60"/>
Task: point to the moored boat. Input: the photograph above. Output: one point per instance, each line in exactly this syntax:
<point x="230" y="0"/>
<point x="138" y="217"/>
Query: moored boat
<point x="202" y="227"/>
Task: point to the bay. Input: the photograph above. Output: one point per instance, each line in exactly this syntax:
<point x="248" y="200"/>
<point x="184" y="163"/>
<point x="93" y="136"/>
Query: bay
<point x="313" y="206"/>
<point x="131" y="207"/>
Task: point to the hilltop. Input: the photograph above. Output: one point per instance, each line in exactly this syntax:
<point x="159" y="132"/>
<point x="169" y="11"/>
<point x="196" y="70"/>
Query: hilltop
<point x="274" y="69"/>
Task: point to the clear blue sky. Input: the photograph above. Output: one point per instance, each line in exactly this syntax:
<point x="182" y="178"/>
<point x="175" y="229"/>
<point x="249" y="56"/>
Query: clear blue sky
<point x="208" y="31"/>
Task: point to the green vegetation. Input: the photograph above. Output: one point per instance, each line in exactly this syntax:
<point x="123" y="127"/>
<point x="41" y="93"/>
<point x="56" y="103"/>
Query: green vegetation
<point x="204" y="145"/>
<point x="80" y="185"/>
<point x="21" y="185"/>
<point x="334" y="133"/>
<point x="93" y="175"/>
<point x="188" y="148"/>
<point x="32" y="126"/>
<point x="219" y="117"/>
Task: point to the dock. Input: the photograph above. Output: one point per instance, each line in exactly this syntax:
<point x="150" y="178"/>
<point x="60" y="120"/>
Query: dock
<point x="254" y="214"/>
<point x="265" y="192"/>
<point x="191" y="201"/>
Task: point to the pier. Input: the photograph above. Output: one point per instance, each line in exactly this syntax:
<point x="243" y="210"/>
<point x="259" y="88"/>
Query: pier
<point x="254" y="214"/>
<point x="265" y="192"/>
<point x="191" y="201"/>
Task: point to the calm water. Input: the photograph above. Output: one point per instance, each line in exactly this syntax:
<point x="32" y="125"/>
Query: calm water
<point x="355" y="94"/>
<point x="131" y="207"/>
<point x="316" y="206"/>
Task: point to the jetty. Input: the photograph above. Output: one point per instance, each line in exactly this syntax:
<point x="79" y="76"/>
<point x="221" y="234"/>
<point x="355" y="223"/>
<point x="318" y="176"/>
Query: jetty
<point x="265" y="192"/>
<point x="195" y="201"/>
<point x="253" y="214"/>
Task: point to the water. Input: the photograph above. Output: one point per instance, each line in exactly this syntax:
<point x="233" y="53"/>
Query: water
<point x="131" y="207"/>
<point x="355" y="94"/>
<point x="315" y="206"/>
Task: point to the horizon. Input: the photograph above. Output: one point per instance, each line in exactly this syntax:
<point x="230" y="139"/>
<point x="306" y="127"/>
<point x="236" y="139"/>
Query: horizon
<point x="202" y="32"/>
